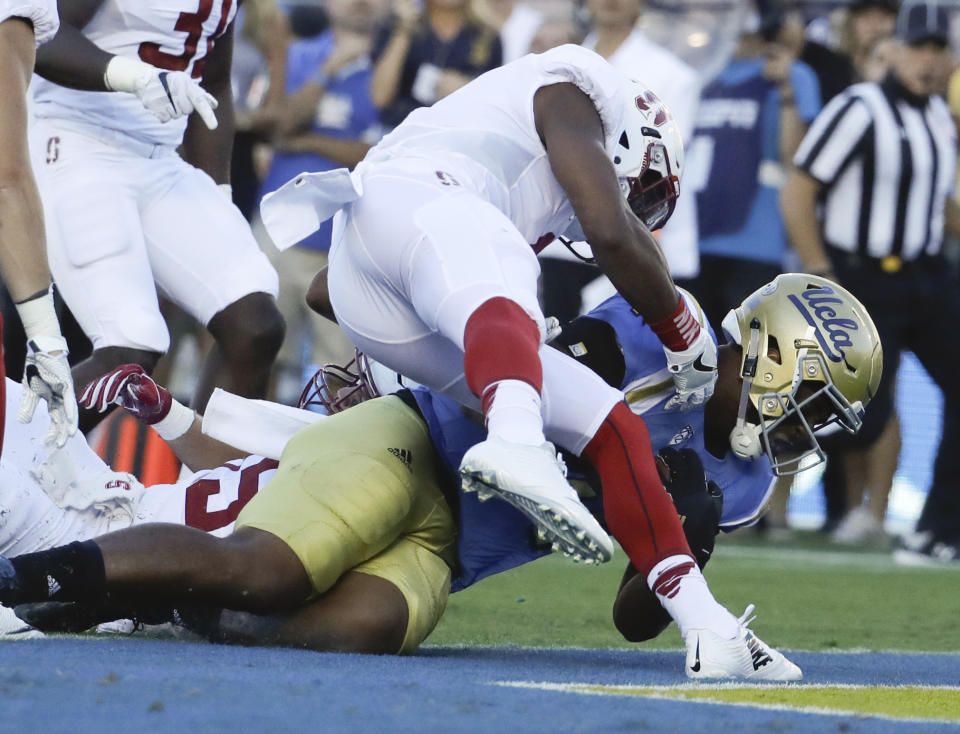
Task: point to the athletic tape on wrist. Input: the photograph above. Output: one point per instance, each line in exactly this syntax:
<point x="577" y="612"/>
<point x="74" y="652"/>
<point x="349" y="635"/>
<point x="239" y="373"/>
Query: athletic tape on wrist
<point x="124" y="75"/>
<point x="176" y="423"/>
<point x="39" y="317"/>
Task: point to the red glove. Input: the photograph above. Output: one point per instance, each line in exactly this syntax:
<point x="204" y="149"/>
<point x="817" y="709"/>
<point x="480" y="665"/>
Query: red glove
<point x="130" y="387"/>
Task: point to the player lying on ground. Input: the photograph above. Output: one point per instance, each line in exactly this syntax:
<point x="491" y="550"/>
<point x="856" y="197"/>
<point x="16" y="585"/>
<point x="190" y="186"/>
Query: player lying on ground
<point x="795" y="315"/>
<point x="53" y="496"/>
<point x="378" y="497"/>
<point x="369" y="543"/>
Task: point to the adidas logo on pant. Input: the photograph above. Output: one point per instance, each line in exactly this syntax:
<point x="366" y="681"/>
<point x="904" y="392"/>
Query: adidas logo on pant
<point x="405" y="456"/>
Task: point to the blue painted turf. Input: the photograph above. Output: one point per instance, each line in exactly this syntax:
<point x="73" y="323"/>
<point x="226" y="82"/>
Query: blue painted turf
<point x="135" y="685"/>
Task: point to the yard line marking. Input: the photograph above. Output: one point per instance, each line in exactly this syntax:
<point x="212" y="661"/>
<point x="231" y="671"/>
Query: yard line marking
<point x="700" y="693"/>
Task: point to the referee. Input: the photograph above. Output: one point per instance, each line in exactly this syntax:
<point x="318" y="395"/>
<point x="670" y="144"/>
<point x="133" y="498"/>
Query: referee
<point x="867" y="204"/>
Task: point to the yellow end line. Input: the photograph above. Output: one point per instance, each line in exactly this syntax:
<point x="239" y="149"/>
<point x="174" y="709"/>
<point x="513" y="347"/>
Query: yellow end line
<point x="662" y="692"/>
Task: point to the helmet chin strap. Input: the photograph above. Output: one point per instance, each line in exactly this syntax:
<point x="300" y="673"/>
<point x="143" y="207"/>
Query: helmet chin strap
<point x="745" y="437"/>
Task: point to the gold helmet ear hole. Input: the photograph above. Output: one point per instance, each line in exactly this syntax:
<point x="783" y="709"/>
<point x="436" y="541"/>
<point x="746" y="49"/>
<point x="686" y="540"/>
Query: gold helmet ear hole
<point x="773" y="349"/>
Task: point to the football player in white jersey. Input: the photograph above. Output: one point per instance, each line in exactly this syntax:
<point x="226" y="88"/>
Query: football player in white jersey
<point x="24" y="25"/>
<point x="52" y="496"/>
<point x="434" y="229"/>
<point x="126" y="212"/>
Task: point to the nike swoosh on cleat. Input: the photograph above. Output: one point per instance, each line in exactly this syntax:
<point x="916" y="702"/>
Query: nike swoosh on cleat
<point x="696" y="666"/>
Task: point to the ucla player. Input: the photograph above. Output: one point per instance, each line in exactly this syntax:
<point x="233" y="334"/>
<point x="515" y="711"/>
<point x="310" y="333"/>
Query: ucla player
<point x="24" y="25"/>
<point x="125" y="211"/>
<point x="385" y="494"/>
<point x="802" y="353"/>
<point x="358" y="524"/>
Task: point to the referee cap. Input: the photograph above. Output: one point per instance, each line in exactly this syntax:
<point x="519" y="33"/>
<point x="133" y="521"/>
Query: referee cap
<point x="922" y="21"/>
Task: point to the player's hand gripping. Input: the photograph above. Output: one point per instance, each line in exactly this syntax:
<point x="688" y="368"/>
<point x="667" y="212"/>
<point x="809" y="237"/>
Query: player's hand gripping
<point x="130" y="387"/>
<point x="691" y="355"/>
<point x="167" y="94"/>
<point x="47" y="375"/>
<point x="694" y="372"/>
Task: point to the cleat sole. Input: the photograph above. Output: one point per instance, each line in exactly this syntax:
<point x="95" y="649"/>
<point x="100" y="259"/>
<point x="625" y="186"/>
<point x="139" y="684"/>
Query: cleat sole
<point x="573" y="542"/>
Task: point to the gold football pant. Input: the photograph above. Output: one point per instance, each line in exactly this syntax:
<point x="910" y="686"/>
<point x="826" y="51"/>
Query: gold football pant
<point x="360" y="491"/>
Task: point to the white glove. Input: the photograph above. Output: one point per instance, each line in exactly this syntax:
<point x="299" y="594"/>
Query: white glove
<point x="47" y="375"/>
<point x="553" y="328"/>
<point x="169" y="95"/>
<point x="110" y="494"/>
<point x="694" y="372"/>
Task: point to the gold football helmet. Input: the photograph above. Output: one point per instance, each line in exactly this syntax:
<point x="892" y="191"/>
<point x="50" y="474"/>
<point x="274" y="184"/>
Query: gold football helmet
<point x="811" y="358"/>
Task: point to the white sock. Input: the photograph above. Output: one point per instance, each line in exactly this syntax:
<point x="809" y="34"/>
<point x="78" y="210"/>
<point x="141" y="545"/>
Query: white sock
<point x="514" y="415"/>
<point x="688" y="599"/>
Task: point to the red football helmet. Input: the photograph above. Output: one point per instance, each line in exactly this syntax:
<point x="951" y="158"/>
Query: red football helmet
<point x="337" y="388"/>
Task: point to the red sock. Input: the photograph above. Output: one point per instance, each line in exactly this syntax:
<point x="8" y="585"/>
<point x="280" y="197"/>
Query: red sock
<point x="638" y="510"/>
<point x="500" y="342"/>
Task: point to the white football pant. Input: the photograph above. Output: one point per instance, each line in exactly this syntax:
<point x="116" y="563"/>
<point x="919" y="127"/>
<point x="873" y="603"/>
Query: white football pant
<point x="411" y="261"/>
<point x="122" y="215"/>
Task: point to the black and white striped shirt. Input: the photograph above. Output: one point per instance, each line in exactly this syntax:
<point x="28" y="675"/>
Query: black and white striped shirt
<point x="887" y="166"/>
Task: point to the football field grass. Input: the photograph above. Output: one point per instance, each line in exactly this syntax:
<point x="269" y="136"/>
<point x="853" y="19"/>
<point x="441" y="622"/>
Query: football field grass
<point x="809" y="594"/>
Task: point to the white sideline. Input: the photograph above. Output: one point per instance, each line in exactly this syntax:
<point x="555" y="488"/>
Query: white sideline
<point x="859" y="559"/>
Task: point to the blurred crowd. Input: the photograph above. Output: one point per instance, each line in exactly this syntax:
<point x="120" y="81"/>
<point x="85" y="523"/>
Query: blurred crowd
<point x="316" y="83"/>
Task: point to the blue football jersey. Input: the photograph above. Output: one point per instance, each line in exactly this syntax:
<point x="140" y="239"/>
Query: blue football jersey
<point x="746" y="484"/>
<point x="494" y="536"/>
